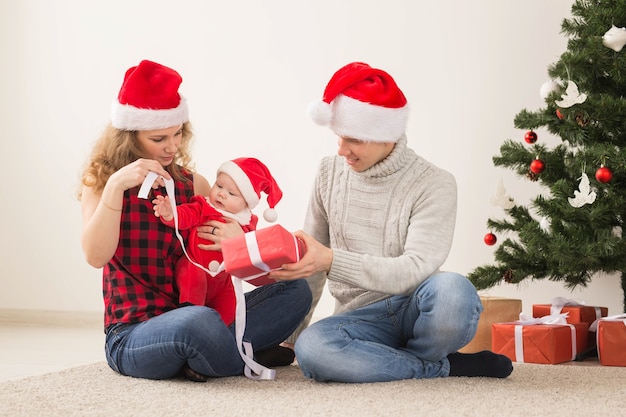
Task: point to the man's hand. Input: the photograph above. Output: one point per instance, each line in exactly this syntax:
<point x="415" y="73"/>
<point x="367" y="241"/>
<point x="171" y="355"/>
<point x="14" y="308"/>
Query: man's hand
<point x="317" y="258"/>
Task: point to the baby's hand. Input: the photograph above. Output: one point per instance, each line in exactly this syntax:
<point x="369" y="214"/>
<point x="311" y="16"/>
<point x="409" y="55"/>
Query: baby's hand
<point x="162" y="208"/>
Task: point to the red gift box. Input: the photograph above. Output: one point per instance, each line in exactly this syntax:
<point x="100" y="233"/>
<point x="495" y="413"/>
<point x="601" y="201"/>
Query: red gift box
<point x="611" y="339"/>
<point x="251" y="256"/>
<point x="539" y="343"/>
<point x="576" y="314"/>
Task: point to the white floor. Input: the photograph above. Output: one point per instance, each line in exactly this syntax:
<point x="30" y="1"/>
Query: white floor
<point x="39" y="343"/>
<point x="48" y="344"/>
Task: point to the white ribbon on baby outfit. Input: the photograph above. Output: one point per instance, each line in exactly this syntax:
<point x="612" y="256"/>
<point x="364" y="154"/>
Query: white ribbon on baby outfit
<point x="559" y="302"/>
<point x="525" y="320"/>
<point x="245" y="348"/>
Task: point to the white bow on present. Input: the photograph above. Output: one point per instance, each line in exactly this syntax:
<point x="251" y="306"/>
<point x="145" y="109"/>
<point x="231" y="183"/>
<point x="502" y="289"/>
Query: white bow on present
<point x="526" y="320"/>
<point x="559" y="302"/>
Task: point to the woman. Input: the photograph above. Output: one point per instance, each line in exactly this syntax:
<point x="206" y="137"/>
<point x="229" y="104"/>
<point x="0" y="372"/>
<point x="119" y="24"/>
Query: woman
<point x="148" y="334"/>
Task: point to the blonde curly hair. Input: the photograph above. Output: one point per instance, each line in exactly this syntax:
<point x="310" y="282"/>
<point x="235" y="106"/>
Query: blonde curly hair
<point x="117" y="148"/>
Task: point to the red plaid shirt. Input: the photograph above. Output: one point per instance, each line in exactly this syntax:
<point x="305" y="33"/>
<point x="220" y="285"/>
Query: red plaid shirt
<point x="138" y="282"/>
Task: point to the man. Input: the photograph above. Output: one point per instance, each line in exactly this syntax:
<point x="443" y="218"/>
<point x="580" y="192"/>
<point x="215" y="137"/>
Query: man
<point x="379" y="226"/>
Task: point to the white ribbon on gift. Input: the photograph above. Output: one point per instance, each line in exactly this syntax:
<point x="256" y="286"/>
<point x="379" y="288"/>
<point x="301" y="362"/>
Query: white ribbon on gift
<point x="525" y="320"/>
<point x="245" y="348"/>
<point x="256" y="260"/>
<point x="617" y="317"/>
<point x="559" y="302"/>
<point x="254" y="252"/>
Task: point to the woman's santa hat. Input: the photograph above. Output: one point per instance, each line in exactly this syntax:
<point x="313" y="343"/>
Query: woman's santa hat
<point x="149" y="99"/>
<point x="253" y="177"/>
<point x="361" y="102"/>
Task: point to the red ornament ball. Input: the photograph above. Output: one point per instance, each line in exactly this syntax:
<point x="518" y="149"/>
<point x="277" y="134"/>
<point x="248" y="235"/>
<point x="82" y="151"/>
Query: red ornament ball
<point x="604" y="174"/>
<point x="530" y="137"/>
<point x="559" y="114"/>
<point x="490" y="239"/>
<point x="537" y="166"/>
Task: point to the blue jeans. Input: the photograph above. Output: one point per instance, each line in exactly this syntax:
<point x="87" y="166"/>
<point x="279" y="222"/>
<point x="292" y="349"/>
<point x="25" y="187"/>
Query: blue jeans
<point x="196" y="335"/>
<point x="400" y="337"/>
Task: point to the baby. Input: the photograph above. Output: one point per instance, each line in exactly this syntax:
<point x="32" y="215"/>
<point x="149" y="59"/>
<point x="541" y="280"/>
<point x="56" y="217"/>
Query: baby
<point x="234" y="194"/>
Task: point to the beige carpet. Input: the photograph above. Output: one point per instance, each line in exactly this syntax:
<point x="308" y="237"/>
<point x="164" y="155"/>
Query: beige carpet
<point x="532" y="390"/>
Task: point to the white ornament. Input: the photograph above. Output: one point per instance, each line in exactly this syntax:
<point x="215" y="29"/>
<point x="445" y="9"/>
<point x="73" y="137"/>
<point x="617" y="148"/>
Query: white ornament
<point x="617" y="232"/>
<point x="585" y="195"/>
<point x="545" y="225"/>
<point x="571" y="96"/>
<point x="615" y="38"/>
<point x="549" y="87"/>
<point x="501" y="198"/>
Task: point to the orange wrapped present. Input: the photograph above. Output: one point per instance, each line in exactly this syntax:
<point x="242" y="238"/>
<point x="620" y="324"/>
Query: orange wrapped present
<point x="251" y="256"/>
<point x="578" y="312"/>
<point x="546" y="340"/>
<point x="611" y="340"/>
<point x="495" y="310"/>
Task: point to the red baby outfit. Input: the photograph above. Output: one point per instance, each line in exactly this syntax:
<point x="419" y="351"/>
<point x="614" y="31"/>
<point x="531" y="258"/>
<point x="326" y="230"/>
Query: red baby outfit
<point x="196" y="286"/>
<point x="138" y="281"/>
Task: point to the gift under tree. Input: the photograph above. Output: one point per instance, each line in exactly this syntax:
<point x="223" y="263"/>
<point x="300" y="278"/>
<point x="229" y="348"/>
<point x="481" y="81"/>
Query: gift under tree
<point x="573" y="229"/>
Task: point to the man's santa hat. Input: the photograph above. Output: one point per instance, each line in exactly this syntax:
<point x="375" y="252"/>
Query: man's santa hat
<point x="361" y="102"/>
<point x="149" y="99"/>
<point x="253" y="177"/>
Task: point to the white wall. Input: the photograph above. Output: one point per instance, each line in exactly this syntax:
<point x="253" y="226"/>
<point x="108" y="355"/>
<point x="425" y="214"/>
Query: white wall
<point x="250" y="68"/>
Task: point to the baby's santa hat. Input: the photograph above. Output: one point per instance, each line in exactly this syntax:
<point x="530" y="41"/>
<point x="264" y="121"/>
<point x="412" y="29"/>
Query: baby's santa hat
<point x="149" y="99"/>
<point x="361" y="102"/>
<point x="252" y="177"/>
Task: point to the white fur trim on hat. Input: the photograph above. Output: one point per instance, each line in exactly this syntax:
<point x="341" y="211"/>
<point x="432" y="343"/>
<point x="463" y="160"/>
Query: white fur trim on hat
<point x="127" y="117"/>
<point x="243" y="182"/>
<point x="359" y="120"/>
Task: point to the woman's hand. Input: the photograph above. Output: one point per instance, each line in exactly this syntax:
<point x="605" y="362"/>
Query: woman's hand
<point x="317" y="258"/>
<point x="218" y="230"/>
<point x="102" y="212"/>
<point x="134" y="174"/>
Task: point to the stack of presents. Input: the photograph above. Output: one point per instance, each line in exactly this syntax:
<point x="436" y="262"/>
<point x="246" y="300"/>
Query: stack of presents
<point x="559" y="332"/>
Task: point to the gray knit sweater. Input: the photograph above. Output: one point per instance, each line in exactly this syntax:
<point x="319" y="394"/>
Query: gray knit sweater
<point x="390" y="227"/>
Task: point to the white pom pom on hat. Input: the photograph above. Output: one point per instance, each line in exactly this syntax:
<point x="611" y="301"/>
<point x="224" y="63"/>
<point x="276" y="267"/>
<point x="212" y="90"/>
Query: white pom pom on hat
<point x="361" y="102"/>
<point x="253" y="177"/>
<point x="320" y="112"/>
<point x="270" y="215"/>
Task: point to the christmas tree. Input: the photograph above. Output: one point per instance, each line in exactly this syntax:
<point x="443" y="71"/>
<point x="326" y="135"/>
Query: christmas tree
<point x="573" y="229"/>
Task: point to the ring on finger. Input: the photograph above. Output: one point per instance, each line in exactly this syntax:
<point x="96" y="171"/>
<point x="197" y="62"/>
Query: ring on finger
<point x="213" y="231"/>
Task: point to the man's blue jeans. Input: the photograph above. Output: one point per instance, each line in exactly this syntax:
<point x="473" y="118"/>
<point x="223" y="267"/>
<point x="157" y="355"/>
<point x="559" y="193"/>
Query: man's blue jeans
<point x="196" y="335"/>
<point x="400" y="337"/>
